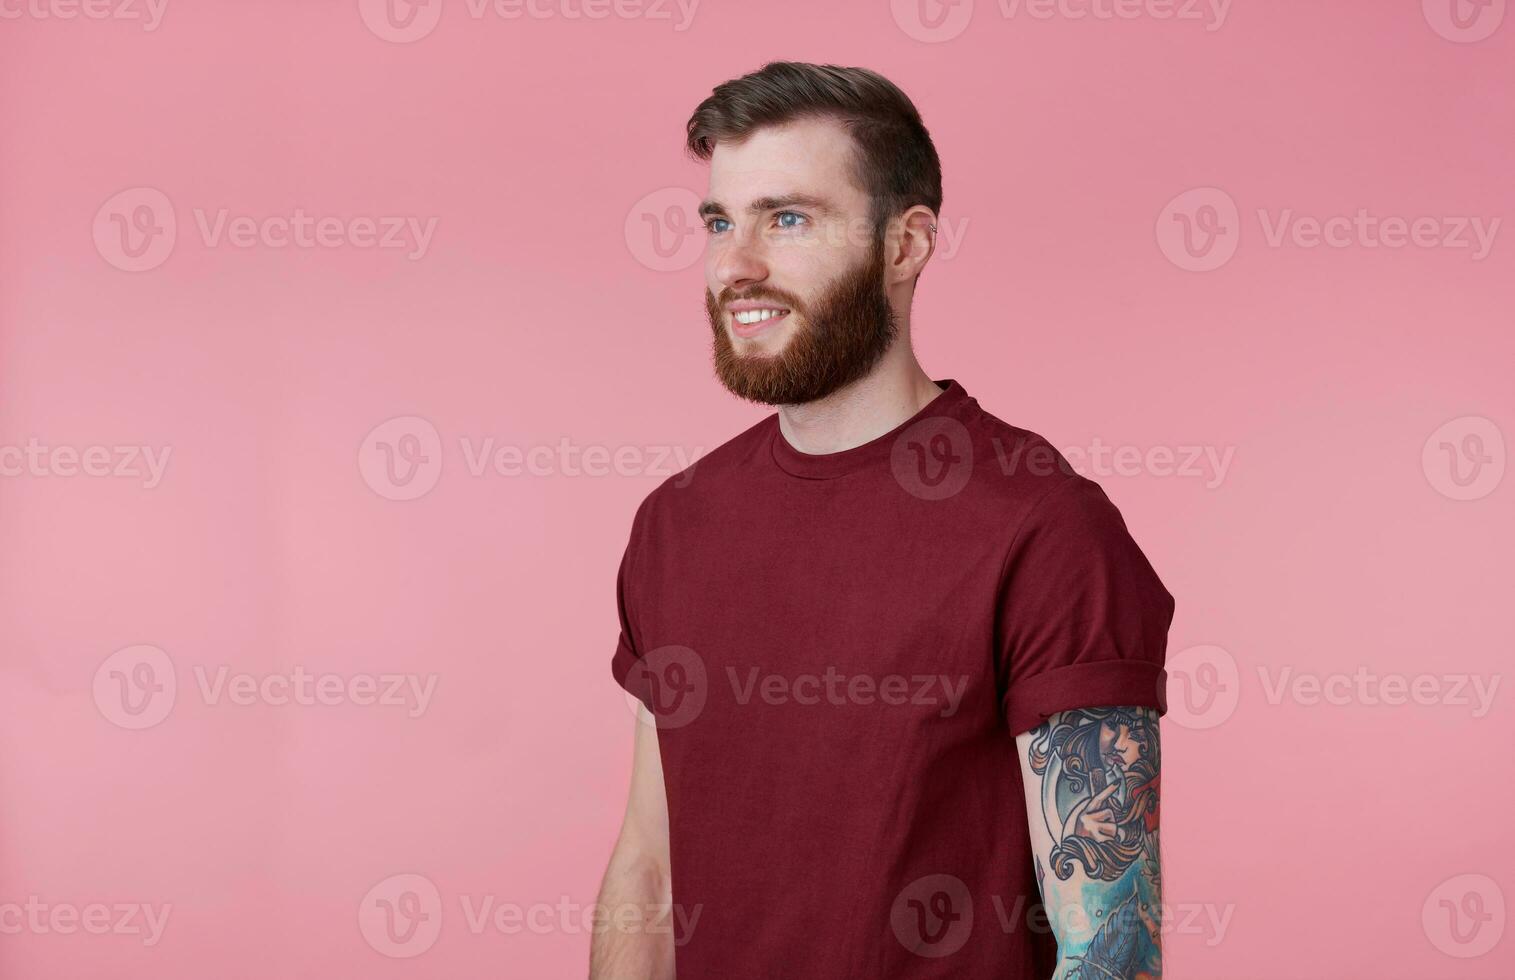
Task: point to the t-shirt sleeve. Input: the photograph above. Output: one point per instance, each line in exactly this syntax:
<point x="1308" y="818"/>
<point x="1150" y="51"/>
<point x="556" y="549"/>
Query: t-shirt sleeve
<point x="625" y="664"/>
<point x="1083" y="617"/>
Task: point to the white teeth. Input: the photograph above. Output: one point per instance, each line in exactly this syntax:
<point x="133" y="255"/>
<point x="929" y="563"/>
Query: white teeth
<point x="756" y="316"/>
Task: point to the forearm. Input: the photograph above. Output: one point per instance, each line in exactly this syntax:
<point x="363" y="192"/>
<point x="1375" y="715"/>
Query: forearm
<point x="633" y="934"/>
<point x="1092" y="793"/>
<point x="1107" y="930"/>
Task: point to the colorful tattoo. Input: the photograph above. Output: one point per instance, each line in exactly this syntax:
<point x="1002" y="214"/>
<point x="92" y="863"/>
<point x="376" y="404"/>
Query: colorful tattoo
<point x="1096" y="793"/>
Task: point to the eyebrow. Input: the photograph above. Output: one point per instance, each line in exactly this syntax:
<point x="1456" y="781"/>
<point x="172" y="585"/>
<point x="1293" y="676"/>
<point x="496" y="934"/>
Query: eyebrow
<point x="710" y="208"/>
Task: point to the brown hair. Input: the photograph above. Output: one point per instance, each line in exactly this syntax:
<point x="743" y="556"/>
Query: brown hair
<point x="894" y="159"/>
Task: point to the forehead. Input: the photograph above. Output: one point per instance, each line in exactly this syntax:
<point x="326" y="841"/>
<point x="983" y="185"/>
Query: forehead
<point x="808" y="156"/>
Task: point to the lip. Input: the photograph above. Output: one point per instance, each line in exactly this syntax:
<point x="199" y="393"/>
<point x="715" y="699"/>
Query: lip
<point x="748" y="330"/>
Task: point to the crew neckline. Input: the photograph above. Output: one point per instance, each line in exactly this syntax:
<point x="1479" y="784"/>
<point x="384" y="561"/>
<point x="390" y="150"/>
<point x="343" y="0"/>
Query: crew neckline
<point x="821" y="466"/>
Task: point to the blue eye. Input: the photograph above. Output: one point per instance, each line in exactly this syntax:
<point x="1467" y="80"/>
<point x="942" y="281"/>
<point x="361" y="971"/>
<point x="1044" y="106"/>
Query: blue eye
<point x="710" y="225"/>
<point x="789" y="214"/>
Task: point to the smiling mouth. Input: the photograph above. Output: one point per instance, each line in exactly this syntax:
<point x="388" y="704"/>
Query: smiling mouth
<point x="749" y="323"/>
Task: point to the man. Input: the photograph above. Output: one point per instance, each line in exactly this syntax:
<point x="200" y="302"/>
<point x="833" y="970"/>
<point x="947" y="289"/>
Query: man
<point x="900" y="667"/>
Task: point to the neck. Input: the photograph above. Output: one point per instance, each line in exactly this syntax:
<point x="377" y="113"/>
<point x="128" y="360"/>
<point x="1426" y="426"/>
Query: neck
<point x="891" y="393"/>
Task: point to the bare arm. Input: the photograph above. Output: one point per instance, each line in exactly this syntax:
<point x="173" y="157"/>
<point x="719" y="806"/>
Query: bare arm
<point x="1091" y="779"/>
<point x="636" y="940"/>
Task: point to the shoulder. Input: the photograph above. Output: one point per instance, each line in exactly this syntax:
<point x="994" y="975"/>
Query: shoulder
<point x="1020" y="472"/>
<point x="1049" y="506"/>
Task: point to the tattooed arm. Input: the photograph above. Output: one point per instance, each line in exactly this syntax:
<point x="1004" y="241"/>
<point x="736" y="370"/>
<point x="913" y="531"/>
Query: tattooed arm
<point x="1091" y="779"/>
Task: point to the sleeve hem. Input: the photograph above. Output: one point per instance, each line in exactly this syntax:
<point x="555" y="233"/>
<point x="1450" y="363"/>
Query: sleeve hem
<point x="1094" y="684"/>
<point x="624" y="666"/>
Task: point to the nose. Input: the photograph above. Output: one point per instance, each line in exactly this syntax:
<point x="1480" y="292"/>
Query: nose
<point x="739" y="263"/>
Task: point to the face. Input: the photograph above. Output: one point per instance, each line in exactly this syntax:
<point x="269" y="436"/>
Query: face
<point x="795" y="284"/>
<point x="1117" y="744"/>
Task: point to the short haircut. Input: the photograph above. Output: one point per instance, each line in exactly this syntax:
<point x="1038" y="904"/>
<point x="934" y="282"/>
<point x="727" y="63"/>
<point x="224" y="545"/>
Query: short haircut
<point x="894" y="160"/>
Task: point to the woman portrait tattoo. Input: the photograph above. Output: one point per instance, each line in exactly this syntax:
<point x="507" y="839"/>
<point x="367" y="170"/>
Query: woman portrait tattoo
<point x="1099" y="772"/>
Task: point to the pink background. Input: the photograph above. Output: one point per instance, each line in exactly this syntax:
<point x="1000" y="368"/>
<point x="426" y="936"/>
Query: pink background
<point x="543" y="311"/>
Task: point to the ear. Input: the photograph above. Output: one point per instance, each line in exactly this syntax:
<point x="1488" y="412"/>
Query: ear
<point x="914" y="244"/>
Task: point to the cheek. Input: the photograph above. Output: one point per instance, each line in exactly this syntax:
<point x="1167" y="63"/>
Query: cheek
<point x="805" y="264"/>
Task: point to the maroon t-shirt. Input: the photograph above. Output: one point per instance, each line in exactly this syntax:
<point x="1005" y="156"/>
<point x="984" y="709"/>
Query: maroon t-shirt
<point x="839" y="650"/>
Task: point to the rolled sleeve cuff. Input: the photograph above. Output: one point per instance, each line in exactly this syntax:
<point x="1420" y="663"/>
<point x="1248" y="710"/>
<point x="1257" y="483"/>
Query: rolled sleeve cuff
<point x="626" y="667"/>
<point x="1097" y="684"/>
